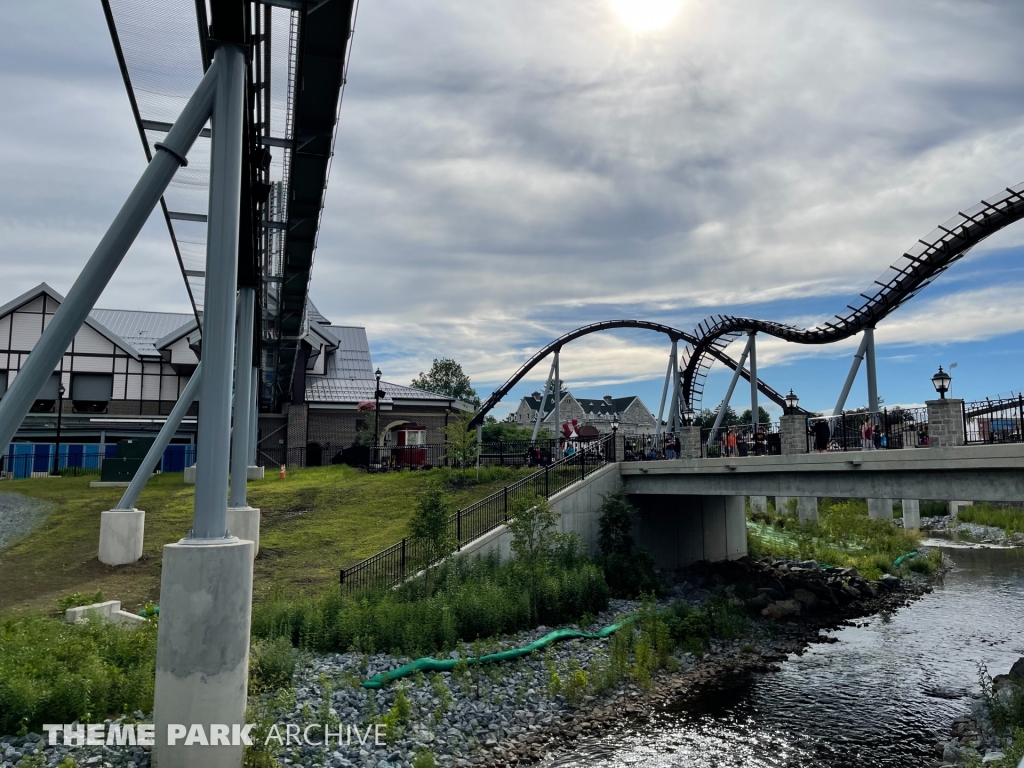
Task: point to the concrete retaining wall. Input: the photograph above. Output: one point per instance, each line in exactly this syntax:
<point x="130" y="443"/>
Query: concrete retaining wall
<point x="680" y="530"/>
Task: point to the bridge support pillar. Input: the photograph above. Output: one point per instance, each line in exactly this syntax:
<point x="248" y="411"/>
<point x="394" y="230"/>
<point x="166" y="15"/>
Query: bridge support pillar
<point x="956" y="506"/>
<point x="880" y="509"/>
<point x="689" y="442"/>
<point x="807" y="507"/>
<point x="911" y="514"/>
<point x="793" y="434"/>
<point x="759" y="504"/>
<point x="681" y="530"/>
<point x="782" y="505"/>
<point x="945" y="422"/>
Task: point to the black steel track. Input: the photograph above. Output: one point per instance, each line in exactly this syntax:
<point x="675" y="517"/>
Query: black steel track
<point x="673" y="333"/>
<point x="929" y="258"/>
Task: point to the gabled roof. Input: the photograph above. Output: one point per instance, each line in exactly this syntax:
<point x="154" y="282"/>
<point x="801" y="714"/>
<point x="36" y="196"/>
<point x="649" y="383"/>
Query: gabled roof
<point x="325" y="389"/>
<point x="177" y="333"/>
<point x="145" y="330"/>
<point x="549" y="402"/>
<point x="601" y="407"/>
<point x="92" y="322"/>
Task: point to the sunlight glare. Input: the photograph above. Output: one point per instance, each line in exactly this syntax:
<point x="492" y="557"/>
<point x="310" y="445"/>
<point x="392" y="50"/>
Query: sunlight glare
<point x="646" y="15"/>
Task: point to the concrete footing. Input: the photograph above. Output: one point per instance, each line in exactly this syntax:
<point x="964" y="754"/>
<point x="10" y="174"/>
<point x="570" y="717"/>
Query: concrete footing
<point x="254" y="473"/>
<point x="782" y="505"/>
<point x="121" y="532"/>
<point x="109" y="610"/>
<point x="880" y="509"/>
<point x="190" y="475"/>
<point x="244" y="522"/>
<point x="911" y="514"/>
<point x="759" y="504"/>
<point x="956" y="506"/>
<point x="807" y="507"/>
<point x="202" y="658"/>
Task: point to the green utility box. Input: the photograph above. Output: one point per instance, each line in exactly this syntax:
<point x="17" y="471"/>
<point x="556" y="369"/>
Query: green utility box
<point x="126" y="463"/>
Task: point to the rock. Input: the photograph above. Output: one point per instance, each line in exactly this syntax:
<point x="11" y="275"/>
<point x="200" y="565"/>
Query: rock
<point x="1017" y="670"/>
<point x="781" y="609"/>
<point x="806" y="598"/>
<point x="771" y="593"/>
<point x="951" y="751"/>
<point x="992" y="757"/>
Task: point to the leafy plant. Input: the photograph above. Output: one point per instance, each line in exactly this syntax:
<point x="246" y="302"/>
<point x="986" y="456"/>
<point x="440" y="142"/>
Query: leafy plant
<point x="78" y="599"/>
<point x="271" y="665"/>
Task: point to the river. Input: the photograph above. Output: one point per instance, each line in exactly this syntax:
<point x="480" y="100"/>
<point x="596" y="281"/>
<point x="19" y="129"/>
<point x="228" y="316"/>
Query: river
<point x="880" y="696"/>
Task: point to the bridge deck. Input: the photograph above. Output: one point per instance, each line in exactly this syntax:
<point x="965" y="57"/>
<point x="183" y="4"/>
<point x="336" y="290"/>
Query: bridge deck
<point x="978" y="473"/>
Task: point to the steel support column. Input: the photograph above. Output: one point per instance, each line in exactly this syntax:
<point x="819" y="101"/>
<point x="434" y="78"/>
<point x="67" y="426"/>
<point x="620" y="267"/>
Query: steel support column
<point x="732" y="386"/>
<point x="851" y="376"/>
<point x="210" y="516"/>
<point x="869" y="337"/>
<point x="557" y="384"/>
<point x="242" y="416"/>
<point x="543" y="397"/>
<point x="254" y="408"/>
<point x="664" y="391"/>
<point x="754" y="410"/>
<point x="163" y="439"/>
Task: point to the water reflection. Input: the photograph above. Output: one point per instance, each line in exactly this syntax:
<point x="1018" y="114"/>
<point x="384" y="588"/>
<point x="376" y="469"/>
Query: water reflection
<point x="881" y="696"/>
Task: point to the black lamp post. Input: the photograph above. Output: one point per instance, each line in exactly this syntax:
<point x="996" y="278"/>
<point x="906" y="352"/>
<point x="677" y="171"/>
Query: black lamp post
<point x="791" y="401"/>
<point x="377" y="395"/>
<point x="941" y="382"/>
<point x="688" y="416"/>
<point x="60" y="411"/>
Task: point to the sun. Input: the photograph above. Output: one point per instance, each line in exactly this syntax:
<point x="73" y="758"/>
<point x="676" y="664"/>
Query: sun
<point x="646" y="15"/>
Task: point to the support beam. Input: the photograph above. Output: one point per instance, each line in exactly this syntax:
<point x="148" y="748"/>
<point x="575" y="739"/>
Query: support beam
<point x="254" y="416"/>
<point x="558" y="405"/>
<point x="869" y="337"/>
<point x="732" y="386"/>
<point x="911" y="514"/>
<point x="675" y="422"/>
<point x="841" y="402"/>
<point x="543" y="398"/>
<point x="242" y="416"/>
<point x="664" y="391"/>
<point x="104" y="261"/>
<point x="754" y="409"/>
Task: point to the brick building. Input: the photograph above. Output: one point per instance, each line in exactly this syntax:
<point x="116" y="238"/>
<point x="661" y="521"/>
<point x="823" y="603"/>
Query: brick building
<point x="323" y="417"/>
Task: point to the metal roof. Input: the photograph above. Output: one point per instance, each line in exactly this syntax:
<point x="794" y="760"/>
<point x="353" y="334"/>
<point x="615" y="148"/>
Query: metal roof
<point x="141" y="329"/>
<point x="322" y="389"/>
<point x="351" y="360"/>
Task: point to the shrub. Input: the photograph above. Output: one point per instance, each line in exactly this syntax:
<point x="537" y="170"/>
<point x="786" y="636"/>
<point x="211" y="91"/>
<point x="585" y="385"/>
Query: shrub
<point x="53" y="672"/>
<point x="628" y="571"/>
<point x="77" y="599"/>
<point x="271" y="665"/>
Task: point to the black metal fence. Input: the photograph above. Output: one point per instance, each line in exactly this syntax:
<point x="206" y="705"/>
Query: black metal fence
<point x="994" y="421"/>
<point x="887" y="429"/>
<point x="740" y="440"/>
<point x="648" y="447"/>
<point x="392" y="565"/>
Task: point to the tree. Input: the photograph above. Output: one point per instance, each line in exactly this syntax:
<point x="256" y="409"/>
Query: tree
<point x="447" y="378"/>
<point x="430" y="526"/>
<point x="460" y="446"/>
<point x="532" y="526"/>
<point x="629" y="571"/>
<point x="762" y="417"/>
<point x="364" y="427"/>
<point x="502" y="431"/>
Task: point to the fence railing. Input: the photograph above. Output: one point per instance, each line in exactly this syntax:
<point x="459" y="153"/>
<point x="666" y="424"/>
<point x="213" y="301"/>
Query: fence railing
<point x="740" y="440"/>
<point x="886" y="429"/>
<point x="994" y="421"/>
<point x="649" y="447"/>
<point x="392" y="565"/>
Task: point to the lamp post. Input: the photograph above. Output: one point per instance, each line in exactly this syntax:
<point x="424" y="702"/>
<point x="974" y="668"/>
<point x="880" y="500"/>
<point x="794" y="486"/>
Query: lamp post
<point x="941" y="382"/>
<point x="60" y="410"/>
<point x="791" y="401"/>
<point x="615" y="435"/>
<point x="688" y="416"/>
<point x="377" y="395"/>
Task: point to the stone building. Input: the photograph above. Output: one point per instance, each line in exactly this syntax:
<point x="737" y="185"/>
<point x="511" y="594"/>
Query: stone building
<point x="634" y="417"/>
<point x="336" y="376"/>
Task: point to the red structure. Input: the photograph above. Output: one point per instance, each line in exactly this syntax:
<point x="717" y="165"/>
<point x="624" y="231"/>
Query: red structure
<point x="410" y="450"/>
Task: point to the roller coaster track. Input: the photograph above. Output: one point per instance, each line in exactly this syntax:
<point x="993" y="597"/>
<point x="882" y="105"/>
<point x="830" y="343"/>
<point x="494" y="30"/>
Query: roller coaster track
<point x="673" y="333"/>
<point x="925" y="261"/>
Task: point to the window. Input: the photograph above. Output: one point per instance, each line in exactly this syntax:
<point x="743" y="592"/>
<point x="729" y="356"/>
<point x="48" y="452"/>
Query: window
<point x="91" y="392"/>
<point x="46" y="401"/>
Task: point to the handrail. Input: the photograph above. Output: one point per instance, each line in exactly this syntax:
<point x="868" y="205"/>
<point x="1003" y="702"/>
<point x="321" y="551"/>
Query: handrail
<point x="392" y="565"/>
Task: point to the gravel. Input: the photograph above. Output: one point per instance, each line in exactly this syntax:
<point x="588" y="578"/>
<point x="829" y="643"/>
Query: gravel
<point x="19" y="515"/>
<point x="984" y="534"/>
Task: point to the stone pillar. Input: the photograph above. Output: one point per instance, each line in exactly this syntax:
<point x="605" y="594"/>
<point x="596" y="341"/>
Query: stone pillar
<point x="244" y="522"/>
<point x="689" y="442"/>
<point x="807" y="507"/>
<point x="121" y="532"/>
<point x="759" y="504"/>
<point x="911" y="514"/>
<point x="202" y="658"/>
<point x="793" y="434"/>
<point x="620" y="446"/>
<point x="880" y="509"/>
<point x="945" y="422"/>
<point x="296" y="439"/>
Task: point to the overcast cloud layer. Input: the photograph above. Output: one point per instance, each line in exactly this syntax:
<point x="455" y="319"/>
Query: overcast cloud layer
<point x="507" y="171"/>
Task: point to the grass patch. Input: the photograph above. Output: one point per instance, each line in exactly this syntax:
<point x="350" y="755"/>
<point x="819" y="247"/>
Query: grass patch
<point x="313" y="523"/>
<point x="470" y="599"/>
<point x="1010" y="520"/>
<point x="843" y="536"/>
<point x="53" y="672"/>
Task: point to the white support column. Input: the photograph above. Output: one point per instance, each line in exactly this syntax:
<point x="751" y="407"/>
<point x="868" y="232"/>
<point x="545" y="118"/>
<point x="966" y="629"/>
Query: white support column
<point x="869" y="338"/>
<point x="255" y="471"/>
<point x="664" y="391"/>
<point x="911" y="514"/>
<point x="880" y="509"/>
<point x="732" y="386"/>
<point x="243" y="520"/>
<point x="202" y="658"/>
<point x="807" y="508"/>
<point x="854" y="367"/>
<point x="754" y="410"/>
<point x="543" y="399"/>
<point x="558" y="405"/>
<point x="759" y="504"/>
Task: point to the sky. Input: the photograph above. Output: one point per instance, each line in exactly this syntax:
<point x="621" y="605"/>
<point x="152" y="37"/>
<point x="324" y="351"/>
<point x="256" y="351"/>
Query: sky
<point x="508" y="171"/>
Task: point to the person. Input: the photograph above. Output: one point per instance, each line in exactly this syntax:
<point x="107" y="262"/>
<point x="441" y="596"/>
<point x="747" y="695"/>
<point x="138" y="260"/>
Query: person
<point x="670" y="450"/>
<point x="570" y="450"/>
<point x="822" y="433"/>
<point x="867" y="442"/>
<point x="741" y="444"/>
<point x="760" y="442"/>
<point x="731" y="442"/>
